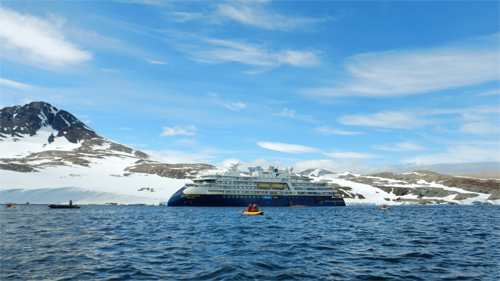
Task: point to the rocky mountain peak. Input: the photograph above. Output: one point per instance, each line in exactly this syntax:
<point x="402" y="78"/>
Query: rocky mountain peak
<point x="19" y="121"/>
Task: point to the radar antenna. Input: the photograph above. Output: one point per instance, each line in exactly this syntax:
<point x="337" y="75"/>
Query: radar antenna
<point x="234" y="167"/>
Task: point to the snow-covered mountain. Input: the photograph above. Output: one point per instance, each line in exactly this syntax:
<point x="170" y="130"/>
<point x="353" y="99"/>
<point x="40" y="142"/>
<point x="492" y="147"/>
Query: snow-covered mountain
<point x="47" y="155"/>
<point x="315" y="172"/>
<point x="417" y="187"/>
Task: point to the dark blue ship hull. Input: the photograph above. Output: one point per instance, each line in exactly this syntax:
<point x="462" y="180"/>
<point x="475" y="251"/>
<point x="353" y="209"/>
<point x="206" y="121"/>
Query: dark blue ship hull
<point x="205" y="200"/>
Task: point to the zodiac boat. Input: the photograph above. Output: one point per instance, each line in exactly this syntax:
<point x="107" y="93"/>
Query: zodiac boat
<point x="53" y="206"/>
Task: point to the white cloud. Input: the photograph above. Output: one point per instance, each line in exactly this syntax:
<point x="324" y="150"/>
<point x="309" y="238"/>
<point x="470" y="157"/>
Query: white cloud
<point x="183" y="16"/>
<point x="294" y="148"/>
<point x="13" y="84"/>
<point x="459" y="154"/>
<point x="220" y="51"/>
<point x="490" y="93"/>
<point x="297" y="58"/>
<point x="482" y="128"/>
<point x="473" y="120"/>
<point x="328" y="165"/>
<point x="186" y="142"/>
<point x="37" y="41"/>
<point x="404" y="72"/>
<point x="288" y="148"/>
<point x="174" y="131"/>
<point x="401" y="146"/>
<point x="155" y="62"/>
<point x="112" y="71"/>
<point x="258" y="17"/>
<point x="292" y="114"/>
<point x="287" y="113"/>
<point x="234" y="106"/>
<point x="349" y="155"/>
<point x="327" y="130"/>
<point x="388" y="119"/>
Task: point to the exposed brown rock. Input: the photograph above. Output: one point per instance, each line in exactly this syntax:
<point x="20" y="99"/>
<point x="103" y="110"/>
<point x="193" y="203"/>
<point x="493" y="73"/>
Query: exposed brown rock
<point x="176" y="171"/>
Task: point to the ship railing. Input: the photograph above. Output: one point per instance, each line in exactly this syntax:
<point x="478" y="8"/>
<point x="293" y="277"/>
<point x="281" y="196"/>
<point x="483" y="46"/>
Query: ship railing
<point x="262" y="193"/>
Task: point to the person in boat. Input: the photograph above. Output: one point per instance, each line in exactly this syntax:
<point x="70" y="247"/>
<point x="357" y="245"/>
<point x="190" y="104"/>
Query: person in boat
<point x="70" y="202"/>
<point x="383" y="206"/>
<point x="249" y="208"/>
<point x="10" y="205"/>
<point x="255" y="208"/>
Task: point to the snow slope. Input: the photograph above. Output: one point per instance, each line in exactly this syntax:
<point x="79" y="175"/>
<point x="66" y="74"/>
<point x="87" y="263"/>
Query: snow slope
<point x="104" y="181"/>
<point x="376" y="196"/>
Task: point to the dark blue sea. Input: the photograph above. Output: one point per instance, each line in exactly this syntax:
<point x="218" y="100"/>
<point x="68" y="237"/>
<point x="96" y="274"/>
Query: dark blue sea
<point x="178" y="243"/>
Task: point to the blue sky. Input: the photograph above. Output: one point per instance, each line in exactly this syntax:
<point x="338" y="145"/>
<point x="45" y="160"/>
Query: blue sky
<point x="366" y="86"/>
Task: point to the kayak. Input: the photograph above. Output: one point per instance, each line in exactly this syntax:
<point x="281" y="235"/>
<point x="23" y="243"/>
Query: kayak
<point x="11" y="207"/>
<point x="385" y="208"/>
<point x="52" y="206"/>
<point x="253" y="213"/>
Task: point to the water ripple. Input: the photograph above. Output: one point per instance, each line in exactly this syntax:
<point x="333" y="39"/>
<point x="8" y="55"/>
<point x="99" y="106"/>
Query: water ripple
<point x="351" y="243"/>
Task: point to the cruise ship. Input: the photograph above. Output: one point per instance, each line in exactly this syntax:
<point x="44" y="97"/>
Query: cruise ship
<point x="266" y="188"/>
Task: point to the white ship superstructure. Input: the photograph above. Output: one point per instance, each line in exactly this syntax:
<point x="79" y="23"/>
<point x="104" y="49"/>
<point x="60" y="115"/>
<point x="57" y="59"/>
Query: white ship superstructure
<point x="271" y="187"/>
<point x="267" y="182"/>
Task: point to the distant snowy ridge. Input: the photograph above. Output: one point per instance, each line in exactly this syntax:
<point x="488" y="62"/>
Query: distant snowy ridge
<point x="416" y="187"/>
<point x="315" y="172"/>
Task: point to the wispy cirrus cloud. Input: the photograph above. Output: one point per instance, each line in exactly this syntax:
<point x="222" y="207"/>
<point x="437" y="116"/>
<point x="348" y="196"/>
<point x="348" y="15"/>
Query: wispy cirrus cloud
<point x="293" y="114"/>
<point x="234" y="106"/>
<point x="459" y="154"/>
<point x="401" y="146"/>
<point x="208" y="50"/>
<point x="350" y="155"/>
<point x="478" y="119"/>
<point x="288" y="148"/>
<point x="155" y="62"/>
<point x="406" y="72"/>
<point x="480" y="128"/>
<point x="36" y="41"/>
<point x="490" y="93"/>
<point x="13" y="84"/>
<point x="183" y="131"/>
<point x="183" y="16"/>
<point x="327" y="130"/>
<point x="387" y="119"/>
<point x="296" y="149"/>
<point x="257" y="16"/>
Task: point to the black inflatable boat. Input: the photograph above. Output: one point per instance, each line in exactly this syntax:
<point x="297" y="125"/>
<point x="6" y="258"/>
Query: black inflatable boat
<point x="53" y="206"/>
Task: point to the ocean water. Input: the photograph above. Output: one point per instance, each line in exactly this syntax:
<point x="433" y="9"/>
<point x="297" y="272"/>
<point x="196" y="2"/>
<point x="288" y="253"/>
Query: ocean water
<point x="331" y="243"/>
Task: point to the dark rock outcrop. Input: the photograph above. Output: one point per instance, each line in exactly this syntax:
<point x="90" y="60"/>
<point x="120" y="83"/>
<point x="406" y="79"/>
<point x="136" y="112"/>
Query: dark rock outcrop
<point x="29" y="119"/>
<point x="176" y="171"/>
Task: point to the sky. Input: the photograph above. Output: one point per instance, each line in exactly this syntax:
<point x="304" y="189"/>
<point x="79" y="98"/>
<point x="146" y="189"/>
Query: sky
<point x="362" y="86"/>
